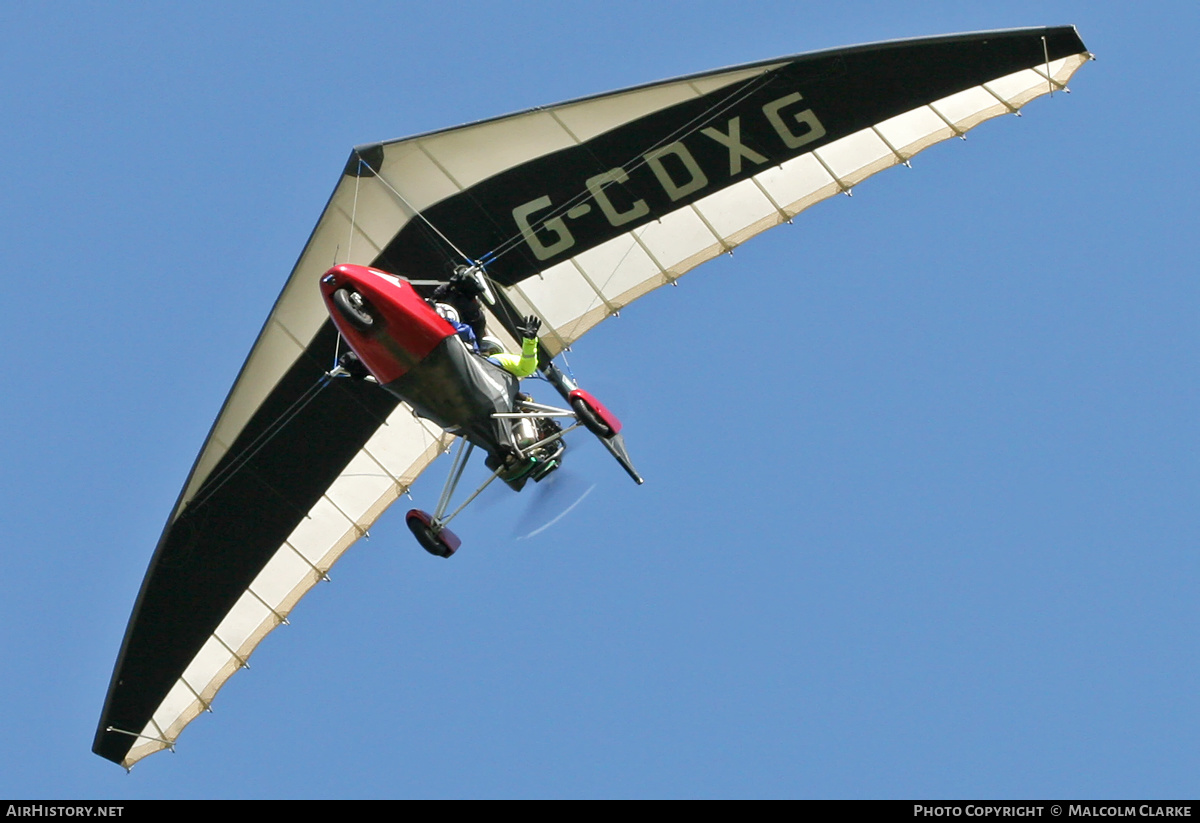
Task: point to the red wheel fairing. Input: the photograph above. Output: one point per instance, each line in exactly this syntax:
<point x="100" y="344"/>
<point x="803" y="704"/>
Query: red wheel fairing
<point x="440" y="543"/>
<point x="593" y="414"/>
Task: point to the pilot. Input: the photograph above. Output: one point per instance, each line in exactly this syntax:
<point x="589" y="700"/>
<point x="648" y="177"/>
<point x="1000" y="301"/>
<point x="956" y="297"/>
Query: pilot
<point x="462" y="293"/>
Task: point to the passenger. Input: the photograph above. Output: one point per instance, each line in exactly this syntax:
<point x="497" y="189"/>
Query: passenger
<point x="525" y="363"/>
<point x="458" y="302"/>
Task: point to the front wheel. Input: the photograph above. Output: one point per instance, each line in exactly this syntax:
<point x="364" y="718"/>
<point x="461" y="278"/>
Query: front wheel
<point x="355" y="310"/>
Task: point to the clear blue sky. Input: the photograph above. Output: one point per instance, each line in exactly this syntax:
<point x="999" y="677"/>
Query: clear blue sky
<point x="920" y="517"/>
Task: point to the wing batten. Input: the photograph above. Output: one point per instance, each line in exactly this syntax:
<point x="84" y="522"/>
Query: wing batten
<point x="211" y="553"/>
<point x="785" y="191"/>
<point x="944" y="66"/>
<point x="284" y="579"/>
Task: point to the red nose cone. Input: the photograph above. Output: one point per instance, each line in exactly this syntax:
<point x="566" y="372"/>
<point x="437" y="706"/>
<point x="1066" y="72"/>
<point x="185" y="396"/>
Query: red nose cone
<point x="389" y="326"/>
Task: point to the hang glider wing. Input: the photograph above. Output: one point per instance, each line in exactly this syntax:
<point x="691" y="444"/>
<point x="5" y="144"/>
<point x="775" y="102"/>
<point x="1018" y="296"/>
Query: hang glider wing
<point x="576" y="210"/>
<point x="581" y="208"/>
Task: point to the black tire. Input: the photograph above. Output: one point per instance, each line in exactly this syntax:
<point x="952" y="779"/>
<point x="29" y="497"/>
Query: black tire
<point x="358" y="313"/>
<point x="430" y="540"/>
<point x="590" y="420"/>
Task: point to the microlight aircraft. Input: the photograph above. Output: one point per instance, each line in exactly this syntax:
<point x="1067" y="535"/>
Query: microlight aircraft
<point x="567" y="213"/>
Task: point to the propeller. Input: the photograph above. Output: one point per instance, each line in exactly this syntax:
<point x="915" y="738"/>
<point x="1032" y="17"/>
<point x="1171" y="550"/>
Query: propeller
<point x="552" y="500"/>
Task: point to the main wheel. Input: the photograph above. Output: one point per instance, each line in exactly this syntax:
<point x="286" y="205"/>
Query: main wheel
<point x="356" y="311"/>
<point x="442" y="543"/>
<point x="590" y="420"/>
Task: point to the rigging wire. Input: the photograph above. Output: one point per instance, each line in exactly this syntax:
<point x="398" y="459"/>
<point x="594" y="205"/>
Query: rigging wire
<point x="506" y="313"/>
<point x="567" y="363"/>
<point x="354" y="213"/>
<point x="640" y="160"/>
<point x="337" y="346"/>
<point x="214" y="483"/>
<point x="379" y="176"/>
<point x="637" y="162"/>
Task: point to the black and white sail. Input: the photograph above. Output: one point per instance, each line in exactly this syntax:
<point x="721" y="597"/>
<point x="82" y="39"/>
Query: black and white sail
<point x="576" y="210"/>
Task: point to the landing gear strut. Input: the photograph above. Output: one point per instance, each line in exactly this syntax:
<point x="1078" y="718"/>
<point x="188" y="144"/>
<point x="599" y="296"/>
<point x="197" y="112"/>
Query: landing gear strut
<point x="537" y="453"/>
